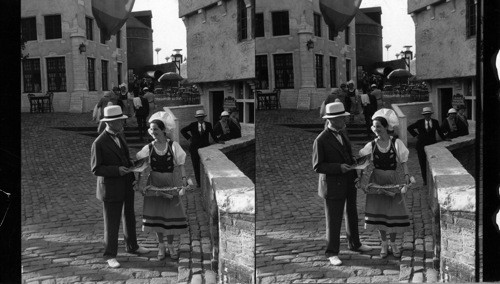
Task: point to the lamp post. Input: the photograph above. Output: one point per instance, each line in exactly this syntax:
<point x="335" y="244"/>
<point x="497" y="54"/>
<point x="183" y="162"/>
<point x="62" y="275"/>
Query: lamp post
<point x="387" y="46"/>
<point x="177" y="59"/>
<point x="407" y="55"/>
<point x="157" y="50"/>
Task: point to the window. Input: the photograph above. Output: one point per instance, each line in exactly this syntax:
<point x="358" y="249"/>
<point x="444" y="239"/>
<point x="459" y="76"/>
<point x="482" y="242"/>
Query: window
<point x="283" y="71"/>
<point x="53" y="27"/>
<point x="319" y="71"/>
<point x="261" y="72"/>
<point x="28" y="28"/>
<point x="470" y="21"/>
<point x="331" y="33"/>
<point x="317" y="25"/>
<point x="101" y="37"/>
<point x="348" y="70"/>
<point x="119" y="39"/>
<point x="89" y="25"/>
<point x="91" y="73"/>
<point x="56" y="74"/>
<point x="333" y="71"/>
<point x="280" y="23"/>
<point x="347" y="33"/>
<point x="242" y="20"/>
<point x="31" y="75"/>
<point x="104" y="75"/>
<point x="119" y="72"/>
<point x="259" y="25"/>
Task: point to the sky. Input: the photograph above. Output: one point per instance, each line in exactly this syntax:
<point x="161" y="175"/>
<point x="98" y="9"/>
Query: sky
<point x="169" y="32"/>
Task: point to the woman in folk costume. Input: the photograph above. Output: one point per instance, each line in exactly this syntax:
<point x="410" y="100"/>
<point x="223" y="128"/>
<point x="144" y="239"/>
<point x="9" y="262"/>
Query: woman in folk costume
<point x="386" y="213"/>
<point x="164" y="215"/>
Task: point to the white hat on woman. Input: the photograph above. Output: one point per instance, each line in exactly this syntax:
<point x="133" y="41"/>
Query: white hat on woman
<point x="389" y="115"/>
<point x="113" y="112"/>
<point x="335" y="109"/>
<point x="224" y="113"/>
<point x="452" y="110"/>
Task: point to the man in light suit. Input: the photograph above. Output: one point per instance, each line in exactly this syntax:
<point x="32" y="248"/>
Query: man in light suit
<point x="332" y="159"/>
<point x="110" y="162"/>
<point x="425" y="130"/>
<point x="197" y="133"/>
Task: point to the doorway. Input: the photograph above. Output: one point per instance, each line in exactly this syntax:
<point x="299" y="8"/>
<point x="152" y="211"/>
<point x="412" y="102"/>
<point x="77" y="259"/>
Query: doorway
<point x="446" y="97"/>
<point x="217" y="105"/>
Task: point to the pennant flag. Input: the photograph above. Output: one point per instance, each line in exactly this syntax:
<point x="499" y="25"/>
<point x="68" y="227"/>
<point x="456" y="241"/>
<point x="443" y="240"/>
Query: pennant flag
<point x="338" y="13"/>
<point x="110" y="15"/>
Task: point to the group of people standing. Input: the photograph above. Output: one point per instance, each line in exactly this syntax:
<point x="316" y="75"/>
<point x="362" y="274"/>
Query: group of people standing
<point x="139" y="104"/>
<point x="118" y="179"/>
<point x="356" y="103"/>
<point x="340" y="175"/>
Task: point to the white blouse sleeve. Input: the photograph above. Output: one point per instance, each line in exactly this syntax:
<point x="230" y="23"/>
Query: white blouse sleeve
<point x="402" y="151"/>
<point x="367" y="150"/>
<point x="180" y="155"/>
<point x="143" y="153"/>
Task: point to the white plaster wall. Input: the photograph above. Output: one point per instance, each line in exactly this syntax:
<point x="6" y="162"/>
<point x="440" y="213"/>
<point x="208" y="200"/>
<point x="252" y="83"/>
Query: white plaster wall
<point x="443" y="50"/>
<point x="73" y="15"/>
<point x="302" y="21"/>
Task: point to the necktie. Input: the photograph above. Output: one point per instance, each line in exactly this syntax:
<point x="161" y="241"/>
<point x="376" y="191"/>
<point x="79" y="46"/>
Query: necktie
<point x="116" y="138"/>
<point x="337" y="135"/>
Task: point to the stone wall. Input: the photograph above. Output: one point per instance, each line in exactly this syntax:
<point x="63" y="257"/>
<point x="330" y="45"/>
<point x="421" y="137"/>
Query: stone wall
<point x="452" y="190"/>
<point x="229" y="198"/>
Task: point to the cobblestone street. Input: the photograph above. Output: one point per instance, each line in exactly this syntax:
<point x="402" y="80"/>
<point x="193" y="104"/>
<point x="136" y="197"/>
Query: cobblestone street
<point x="62" y="227"/>
<point x="290" y="239"/>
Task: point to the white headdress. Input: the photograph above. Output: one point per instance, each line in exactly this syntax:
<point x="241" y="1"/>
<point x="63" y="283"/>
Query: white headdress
<point x="389" y="115"/>
<point x="166" y="118"/>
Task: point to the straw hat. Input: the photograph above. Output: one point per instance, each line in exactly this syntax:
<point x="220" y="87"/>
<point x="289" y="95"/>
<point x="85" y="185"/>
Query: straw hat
<point x="335" y="109"/>
<point x="452" y="110"/>
<point x="224" y="113"/>
<point x="113" y="112"/>
<point x="427" y="110"/>
<point x="199" y="113"/>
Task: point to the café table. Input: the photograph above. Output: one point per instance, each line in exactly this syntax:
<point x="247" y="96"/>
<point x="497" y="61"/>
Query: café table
<point x="39" y="103"/>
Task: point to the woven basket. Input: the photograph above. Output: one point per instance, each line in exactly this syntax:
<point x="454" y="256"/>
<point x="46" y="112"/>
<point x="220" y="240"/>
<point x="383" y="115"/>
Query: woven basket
<point x="390" y="190"/>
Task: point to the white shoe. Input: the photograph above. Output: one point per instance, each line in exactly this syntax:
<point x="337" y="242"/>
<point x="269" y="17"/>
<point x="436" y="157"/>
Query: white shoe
<point x="161" y="251"/>
<point x="172" y="251"/>
<point x="335" y="260"/>
<point x="364" y="248"/>
<point x="113" y="263"/>
<point x="383" y="249"/>
<point x="140" y="250"/>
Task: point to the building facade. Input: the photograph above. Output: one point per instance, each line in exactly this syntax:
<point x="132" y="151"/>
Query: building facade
<point x="369" y="48"/>
<point x="68" y="56"/>
<point x="221" y="52"/>
<point x="297" y="53"/>
<point x="445" y="34"/>
<point x="139" y="43"/>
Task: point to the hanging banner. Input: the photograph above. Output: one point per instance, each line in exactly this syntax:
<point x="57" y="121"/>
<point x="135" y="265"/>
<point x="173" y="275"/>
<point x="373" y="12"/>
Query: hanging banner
<point x="111" y="15"/>
<point x="338" y="13"/>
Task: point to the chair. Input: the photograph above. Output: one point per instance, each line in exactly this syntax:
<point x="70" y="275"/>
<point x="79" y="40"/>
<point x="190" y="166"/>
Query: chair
<point x="33" y="103"/>
<point x="261" y="100"/>
<point x="47" y="103"/>
<point x="278" y="94"/>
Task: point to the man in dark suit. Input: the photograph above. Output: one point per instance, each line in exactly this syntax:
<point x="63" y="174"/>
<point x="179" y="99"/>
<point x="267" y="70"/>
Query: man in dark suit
<point x="425" y="130"/>
<point x="198" y="138"/>
<point x="332" y="159"/>
<point x="110" y="162"/>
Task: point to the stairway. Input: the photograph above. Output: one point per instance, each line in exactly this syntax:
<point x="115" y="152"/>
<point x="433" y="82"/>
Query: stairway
<point x="131" y="134"/>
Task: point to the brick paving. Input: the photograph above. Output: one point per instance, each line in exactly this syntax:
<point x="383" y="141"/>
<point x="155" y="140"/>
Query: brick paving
<point x="62" y="228"/>
<point x="290" y="238"/>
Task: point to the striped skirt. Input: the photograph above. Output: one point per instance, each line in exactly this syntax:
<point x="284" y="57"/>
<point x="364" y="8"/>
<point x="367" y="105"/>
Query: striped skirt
<point x="163" y="215"/>
<point x="383" y="212"/>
